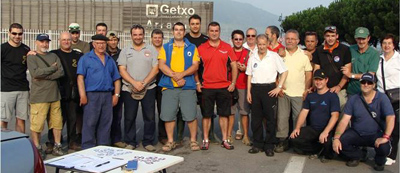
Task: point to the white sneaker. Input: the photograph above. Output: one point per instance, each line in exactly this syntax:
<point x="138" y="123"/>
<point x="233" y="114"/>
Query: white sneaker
<point x="389" y="161"/>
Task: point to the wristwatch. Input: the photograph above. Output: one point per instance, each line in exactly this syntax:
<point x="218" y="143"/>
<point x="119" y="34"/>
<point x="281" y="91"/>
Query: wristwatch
<point x="118" y="95"/>
<point x="280" y="86"/>
<point x="353" y="76"/>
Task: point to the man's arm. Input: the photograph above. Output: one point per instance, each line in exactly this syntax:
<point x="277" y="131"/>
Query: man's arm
<point x="153" y="73"/>
<point x="337" y="145"/>
<point x="323" y="137"/>
<point x="117" y="90"/>
<point x="81" y="88"/>
<point x="388" y="131"/>
<point x="57" y="74"/>
<point x="39" y="72"/>
<point x="300" y="121"/>
<point x="343" y="81"/>
<point x="234" y="72"/>
<point x="125" y="75"/>
<point x="308" y="82"/>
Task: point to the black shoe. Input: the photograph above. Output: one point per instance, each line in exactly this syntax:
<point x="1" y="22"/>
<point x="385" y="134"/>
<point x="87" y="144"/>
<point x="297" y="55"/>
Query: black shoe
<point x="352" y="163"/>
<point x="282" y="146"/>
<point x="269" y="152"/>
<point x="324" y="159"/>
<point x="253" y="150"/>
<point x="379" y="167"/>
<point x="49" y="147"/>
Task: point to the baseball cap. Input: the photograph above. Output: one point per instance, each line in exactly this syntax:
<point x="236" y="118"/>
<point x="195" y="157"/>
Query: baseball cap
<point x="112" y="34"/>
<point x="361" y="32"/>
<point x="43" y="36"/>
<point x="330" y="29"/>
<point x="74" y="27"/>
<point x="319" y="74"/>
<point x="100" y="37"/>
<point x="368" y="77"/>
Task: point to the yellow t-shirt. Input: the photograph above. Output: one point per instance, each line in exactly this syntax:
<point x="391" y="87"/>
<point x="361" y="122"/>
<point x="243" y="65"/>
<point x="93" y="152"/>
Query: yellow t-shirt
<point x="177" y="59"/>
<point x="297" y="65"/>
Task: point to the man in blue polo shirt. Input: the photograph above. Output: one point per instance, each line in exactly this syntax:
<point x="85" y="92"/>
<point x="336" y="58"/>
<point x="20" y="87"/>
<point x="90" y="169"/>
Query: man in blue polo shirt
<point x="372" y="122"/>
<point x="97" y="72"/>
<point x="321" y="108"/>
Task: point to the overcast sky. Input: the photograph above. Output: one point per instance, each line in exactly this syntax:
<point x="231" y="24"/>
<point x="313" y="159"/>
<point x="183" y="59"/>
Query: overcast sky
<point x="286" y="7"/>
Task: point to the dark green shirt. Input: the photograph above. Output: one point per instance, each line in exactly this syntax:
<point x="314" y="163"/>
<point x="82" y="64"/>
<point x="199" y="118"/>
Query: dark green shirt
<point x="362" y="63"/>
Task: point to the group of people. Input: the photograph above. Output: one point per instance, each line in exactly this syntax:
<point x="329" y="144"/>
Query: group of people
<point x="322" y="89"/>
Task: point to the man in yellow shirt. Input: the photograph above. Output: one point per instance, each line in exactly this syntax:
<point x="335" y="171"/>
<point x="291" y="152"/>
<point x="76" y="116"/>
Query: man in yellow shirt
<point x="179" y="60"/>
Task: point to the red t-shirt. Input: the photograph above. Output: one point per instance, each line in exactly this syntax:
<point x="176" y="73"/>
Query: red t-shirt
<point x="277" y="48"/>
<point x="243" y="57"/>
<point x="215" y="60"/>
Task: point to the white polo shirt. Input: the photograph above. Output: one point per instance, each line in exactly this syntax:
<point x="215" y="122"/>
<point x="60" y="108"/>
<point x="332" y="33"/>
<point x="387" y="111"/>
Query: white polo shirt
<point x="265" y="71"/>
<point x="391" y="69"/>
<point x="254" y="51"/>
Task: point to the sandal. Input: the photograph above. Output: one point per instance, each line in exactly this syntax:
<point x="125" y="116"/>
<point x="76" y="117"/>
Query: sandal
<point x="230" y="140"/>
<point x="238" y="136"/>
<point x="194" y="146"/>
<point x="168" y="146"/>
<point x="246" y="141"/>
<point x="227" y="145"/>
<point x="205" y="145"/>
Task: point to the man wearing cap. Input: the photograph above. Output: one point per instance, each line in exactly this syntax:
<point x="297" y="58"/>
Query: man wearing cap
<point x="116" y="134"/>
<point x="14" y="84"/>
<point x="321" y="108"/>
<point x="372" y="122"/>
<point x="138" y="66"/>
<point x="101" y="29"/>
<point x="45" y="68"/>
<point x="98" y="77"/>
<point x="77" y="44"/>
<point x="331" y="56"/>
<point x="294" y="88"/>
<point x="364" y="59"/>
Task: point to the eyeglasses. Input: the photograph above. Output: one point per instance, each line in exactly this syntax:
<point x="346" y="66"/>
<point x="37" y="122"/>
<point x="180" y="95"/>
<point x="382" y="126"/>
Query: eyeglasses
<point x="330" y="28"/>
<point x="238" y="39"/>
<point x="366" y="82"/>
<point x="250" y="35"/>
<point x="17" y="33"/>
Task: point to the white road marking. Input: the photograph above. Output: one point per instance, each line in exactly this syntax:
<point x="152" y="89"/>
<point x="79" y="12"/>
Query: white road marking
<point x="295" y="165"/>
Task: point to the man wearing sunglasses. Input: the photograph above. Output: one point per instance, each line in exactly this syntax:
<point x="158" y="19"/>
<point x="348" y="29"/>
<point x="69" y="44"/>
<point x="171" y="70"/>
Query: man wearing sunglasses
<point x="331" y="56"/>
<point x="77" y="44"/>
<point x="364" y="59"/>
<point x="372" y="122"/>
<point x="250" y="44"/>
<point x="14" y="84"/>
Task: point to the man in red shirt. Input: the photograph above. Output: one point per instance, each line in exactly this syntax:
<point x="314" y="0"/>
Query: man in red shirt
<point x="240" y="102"/>
<point x="216" y="54"/>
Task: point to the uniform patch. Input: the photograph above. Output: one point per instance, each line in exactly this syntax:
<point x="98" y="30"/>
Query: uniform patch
<point x="336" y="58"/>
<point x="323" y="103"/>
<point x="224" y="52"/>
<point x="147" y="53"/>
<point x="189" y="53"/>
<point x="255" y="65"/>
<point x="374" y="114"/>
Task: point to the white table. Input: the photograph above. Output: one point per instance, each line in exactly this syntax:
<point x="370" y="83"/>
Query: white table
<point x="148" y="162"/>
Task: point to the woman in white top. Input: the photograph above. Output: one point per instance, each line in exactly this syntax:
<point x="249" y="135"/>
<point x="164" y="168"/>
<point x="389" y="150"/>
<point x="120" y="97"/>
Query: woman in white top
<point x="262" y="93"/>
<point x="390" y="79"/>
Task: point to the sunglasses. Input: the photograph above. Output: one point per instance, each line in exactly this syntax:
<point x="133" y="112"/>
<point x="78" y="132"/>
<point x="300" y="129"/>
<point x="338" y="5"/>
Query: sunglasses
<point x="17" y="33"/>
<point x="330" y="28"/>
<point x="238" y="39"/>
<point x="366" y="82"/>
<point x="250" y="35"/>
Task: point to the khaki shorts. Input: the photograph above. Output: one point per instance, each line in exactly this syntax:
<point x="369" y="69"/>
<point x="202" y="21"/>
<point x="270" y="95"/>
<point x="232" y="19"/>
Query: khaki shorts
<point x="39" y="112"/>
<point x="14" y="103"/>
<point x="241" y="104"/>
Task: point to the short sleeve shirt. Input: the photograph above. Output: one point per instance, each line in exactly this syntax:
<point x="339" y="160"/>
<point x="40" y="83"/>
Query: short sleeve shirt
<point x="277" y="48"/>
<point x="391" y="68"/>
<point x="243" y="58"/>
<point x="138" y="63"/>
<point x="215" y="60"/>
<point x="98" y="76"/>
<point x="320" y="107"/>
<point x="362" y="63"/>
<point x="361" y="120"/>
<point x="13" y="67"/>
<point x="177" y="59"/>
<point x="298" y="64"/>
<point x="332" y="63"/>
<point x="264" y="71"/>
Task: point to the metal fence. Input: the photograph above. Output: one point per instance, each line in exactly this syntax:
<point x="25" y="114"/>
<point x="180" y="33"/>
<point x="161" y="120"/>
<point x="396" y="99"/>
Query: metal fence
<point x="29" y="37"/>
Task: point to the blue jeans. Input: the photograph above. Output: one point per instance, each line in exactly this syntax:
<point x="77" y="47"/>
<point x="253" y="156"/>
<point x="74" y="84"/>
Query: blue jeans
<point x="148" y="110"/>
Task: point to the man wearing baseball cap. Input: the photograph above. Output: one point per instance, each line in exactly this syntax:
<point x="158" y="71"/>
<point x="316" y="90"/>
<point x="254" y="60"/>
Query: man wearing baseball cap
<point x="372" y="122"/>
<point x="364" y="58"/>
<point x="99" y="89"/>
<point x="331" y="57"/>
<point x="323" y="108"/>
<point x="77" y="44"/>
<point x="45" y="68"/>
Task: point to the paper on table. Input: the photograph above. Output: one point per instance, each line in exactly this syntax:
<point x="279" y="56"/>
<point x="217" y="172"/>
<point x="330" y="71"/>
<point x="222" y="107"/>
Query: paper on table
<point x="73" y="160"/>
